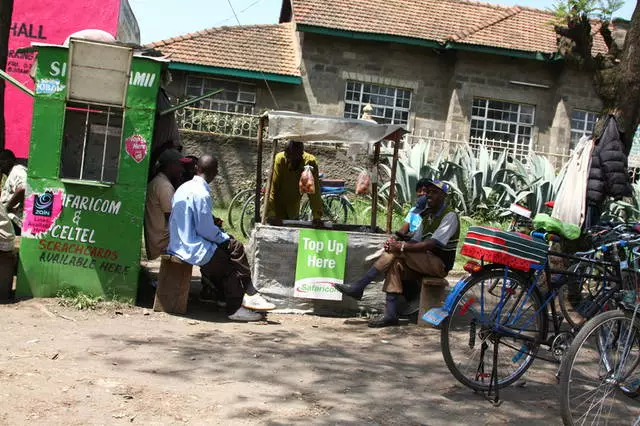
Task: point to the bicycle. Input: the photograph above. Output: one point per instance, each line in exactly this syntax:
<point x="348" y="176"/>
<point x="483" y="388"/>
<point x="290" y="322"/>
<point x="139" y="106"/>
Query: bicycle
<point x="498" y="306"/>
<point x="600" y="384"/>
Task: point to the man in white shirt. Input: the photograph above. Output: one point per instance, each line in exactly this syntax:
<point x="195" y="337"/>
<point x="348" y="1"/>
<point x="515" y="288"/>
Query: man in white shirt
<point x="12" y="195"/>
<point x="8" y="257"/>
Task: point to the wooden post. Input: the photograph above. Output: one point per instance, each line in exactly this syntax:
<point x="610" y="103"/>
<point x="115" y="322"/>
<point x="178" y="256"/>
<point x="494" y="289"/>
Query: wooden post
<point x="392" y="188"/>
<point x="374" y="188"/>
<point x="256" y="214"/>
<point x="266" y="194"/>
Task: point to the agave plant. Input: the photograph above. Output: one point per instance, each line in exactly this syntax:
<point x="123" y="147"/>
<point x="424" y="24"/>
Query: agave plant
<point x="483" y="182"/>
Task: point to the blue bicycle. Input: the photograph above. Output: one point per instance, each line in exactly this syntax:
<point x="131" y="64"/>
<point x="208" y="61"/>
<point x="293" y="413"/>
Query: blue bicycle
<point x="494" y="322"/>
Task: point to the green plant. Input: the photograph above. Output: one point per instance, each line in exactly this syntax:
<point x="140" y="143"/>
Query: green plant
<point x="71" y="297"/>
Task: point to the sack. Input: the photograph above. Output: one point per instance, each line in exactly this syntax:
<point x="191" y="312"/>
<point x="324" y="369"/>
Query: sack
<point x="363" y="183"/>
<point x="307" y="184"/>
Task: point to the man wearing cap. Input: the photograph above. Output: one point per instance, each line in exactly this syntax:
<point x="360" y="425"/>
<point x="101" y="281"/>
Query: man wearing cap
<point x="158" y="205"/>
<point x="431" y="252"/>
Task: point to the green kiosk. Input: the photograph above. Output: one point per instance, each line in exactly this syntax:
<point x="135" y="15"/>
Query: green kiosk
<point x="92" y="127"/>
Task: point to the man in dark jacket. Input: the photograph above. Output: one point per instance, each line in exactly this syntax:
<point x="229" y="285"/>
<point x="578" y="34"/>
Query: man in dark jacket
<point x="608" y="175"/>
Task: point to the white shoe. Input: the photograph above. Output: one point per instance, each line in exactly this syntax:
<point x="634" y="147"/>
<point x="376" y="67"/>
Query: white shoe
<point x="244" y="314"/>
<point x="257" y="303"/>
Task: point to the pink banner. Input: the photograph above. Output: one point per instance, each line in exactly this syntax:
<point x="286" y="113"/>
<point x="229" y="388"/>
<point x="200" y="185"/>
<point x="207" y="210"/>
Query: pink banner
<point x="41" y="212"/>
<point x="45" y="21"/>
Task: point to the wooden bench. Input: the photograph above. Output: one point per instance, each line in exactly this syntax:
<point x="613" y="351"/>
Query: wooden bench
<point x="174" y="281"/>
<point x="432" y="294"/>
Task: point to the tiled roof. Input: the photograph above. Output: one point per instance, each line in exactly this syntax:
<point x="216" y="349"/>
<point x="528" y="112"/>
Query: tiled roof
<point x="261" y="48"/>
<point x="442" y="21"/>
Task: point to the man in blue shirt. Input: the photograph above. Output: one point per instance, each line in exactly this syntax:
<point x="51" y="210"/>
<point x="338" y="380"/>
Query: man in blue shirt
<point x="194" y="238"/>
<point x="414" y="217"/>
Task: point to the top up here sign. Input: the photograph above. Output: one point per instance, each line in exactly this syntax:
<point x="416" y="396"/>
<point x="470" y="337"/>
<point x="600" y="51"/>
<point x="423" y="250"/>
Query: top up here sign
<point x="321" y="262"/>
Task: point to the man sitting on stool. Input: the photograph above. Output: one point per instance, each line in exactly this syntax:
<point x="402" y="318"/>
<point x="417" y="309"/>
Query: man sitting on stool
<point x="194" y="238"/>
<point x="431" y="252"/>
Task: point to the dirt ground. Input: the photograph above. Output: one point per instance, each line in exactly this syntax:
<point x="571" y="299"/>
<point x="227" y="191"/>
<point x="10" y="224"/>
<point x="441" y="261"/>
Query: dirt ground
<point x="60" y="365"/>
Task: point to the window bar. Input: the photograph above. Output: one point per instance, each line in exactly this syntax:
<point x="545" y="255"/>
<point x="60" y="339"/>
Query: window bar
<point x="104" y="148"/>
<point x="84" y="144"/>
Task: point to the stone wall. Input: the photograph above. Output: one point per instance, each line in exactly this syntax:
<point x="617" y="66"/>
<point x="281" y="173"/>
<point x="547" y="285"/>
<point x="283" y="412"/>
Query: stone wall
<point x="237" y="161"/>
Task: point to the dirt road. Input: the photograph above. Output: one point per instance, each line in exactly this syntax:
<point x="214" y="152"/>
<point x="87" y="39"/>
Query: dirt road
<point x="63" y="366"/>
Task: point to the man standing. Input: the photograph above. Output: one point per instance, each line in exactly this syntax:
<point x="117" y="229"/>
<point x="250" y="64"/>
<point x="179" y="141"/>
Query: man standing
<point x="284" y="195"/>
<point x="12" y="195"/>
<point x="431" y="252"/>
<point x="8" y="256"/>
<point x="157" y="208"/>
<point x="194" y="238"/>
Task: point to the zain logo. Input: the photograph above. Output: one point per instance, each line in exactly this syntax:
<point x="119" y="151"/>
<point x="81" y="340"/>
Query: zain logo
<point x="43" y="204"/>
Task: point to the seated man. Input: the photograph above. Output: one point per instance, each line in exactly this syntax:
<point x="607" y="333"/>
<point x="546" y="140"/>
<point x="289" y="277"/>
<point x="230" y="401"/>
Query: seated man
<point x="431" y="252"/>
<point x="157" y="208"/>
<point x="284" y="193"/>
<point x="194" y="238"/>
<point x="413" y="218"/>
<point x="8" y="255"/>
<point x="12" y="195"/>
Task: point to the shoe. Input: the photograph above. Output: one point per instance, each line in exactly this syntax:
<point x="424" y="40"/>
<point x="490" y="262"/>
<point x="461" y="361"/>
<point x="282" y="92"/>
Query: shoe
<point x="349" y="290"/>
<point x="382" y="321"/>
<point x="244" y="314"/>
<point x="257" y="303"/>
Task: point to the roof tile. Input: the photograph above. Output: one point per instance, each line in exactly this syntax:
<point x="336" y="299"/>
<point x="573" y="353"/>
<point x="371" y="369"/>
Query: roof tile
<point x="462" y="21"/>
<point x="261" y="48"/>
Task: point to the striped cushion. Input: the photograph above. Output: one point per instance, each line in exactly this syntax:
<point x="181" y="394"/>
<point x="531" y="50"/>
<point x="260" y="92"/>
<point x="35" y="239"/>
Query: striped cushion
<point x="516" y="250"/>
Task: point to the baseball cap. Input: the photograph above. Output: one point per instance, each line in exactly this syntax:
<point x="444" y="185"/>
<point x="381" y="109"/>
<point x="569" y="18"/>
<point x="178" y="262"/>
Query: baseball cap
<point x="444" y="187"/>
<point x="171" y="156"/>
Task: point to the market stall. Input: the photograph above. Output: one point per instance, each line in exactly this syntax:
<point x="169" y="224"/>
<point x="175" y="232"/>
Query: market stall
<point x="296" y="264"/>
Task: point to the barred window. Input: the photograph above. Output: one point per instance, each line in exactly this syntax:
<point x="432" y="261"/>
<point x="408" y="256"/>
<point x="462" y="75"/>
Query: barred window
<point x="91" y="142"/>
<point x="582" y="124"/>
<point x="391" y="105"/>
<point x="236" y="97"/>
<point x="502" y="125"/>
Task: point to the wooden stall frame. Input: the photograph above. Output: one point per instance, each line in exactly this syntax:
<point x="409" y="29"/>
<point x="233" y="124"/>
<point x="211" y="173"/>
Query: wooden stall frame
<point x="395" y="138"/>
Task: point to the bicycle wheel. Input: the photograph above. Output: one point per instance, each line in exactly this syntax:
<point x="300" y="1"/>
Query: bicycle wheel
<point x="490" y="306"/>
<point x="247" y="217"/>
<point x="600" y="367"/>
<point x="577" y="297"/>
<point x="236" y="204"/>
<point x="333" y="209"/>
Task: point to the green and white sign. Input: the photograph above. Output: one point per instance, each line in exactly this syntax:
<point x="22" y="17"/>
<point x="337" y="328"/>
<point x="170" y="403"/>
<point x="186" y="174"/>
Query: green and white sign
<point x="321" y="262"/>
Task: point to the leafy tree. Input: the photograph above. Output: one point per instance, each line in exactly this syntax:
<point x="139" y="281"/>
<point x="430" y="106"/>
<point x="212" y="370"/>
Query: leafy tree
<point x="617" y="72"/>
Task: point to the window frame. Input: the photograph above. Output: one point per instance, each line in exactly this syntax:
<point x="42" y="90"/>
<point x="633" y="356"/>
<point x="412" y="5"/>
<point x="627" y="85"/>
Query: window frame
<point x="584" y="130"/>
<point x="110" y="110"/>
<point x="239" y="107"/>
<point x="520" y="150"/>
<point x="380" y="119"/>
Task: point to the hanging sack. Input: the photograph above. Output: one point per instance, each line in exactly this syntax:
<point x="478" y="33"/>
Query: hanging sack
<point x="307" y="184"/>
<point x="363" y="183"/>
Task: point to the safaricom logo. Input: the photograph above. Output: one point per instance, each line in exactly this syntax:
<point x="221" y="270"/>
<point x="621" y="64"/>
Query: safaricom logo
<point x="316" y="288"/>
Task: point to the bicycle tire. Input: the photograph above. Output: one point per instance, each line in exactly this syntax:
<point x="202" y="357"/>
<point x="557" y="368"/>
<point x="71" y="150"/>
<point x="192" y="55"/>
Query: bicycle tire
<point x="327" y="200"/>
<point x="240" y="199"/>
<point x="580" y="357"/>
<point x="451" y="336"/>
<point x="247" y="217"/>
<point x="588" y="289"/>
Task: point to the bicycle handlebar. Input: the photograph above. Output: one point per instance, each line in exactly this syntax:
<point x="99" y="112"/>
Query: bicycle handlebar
<point x="546" y="236"/>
